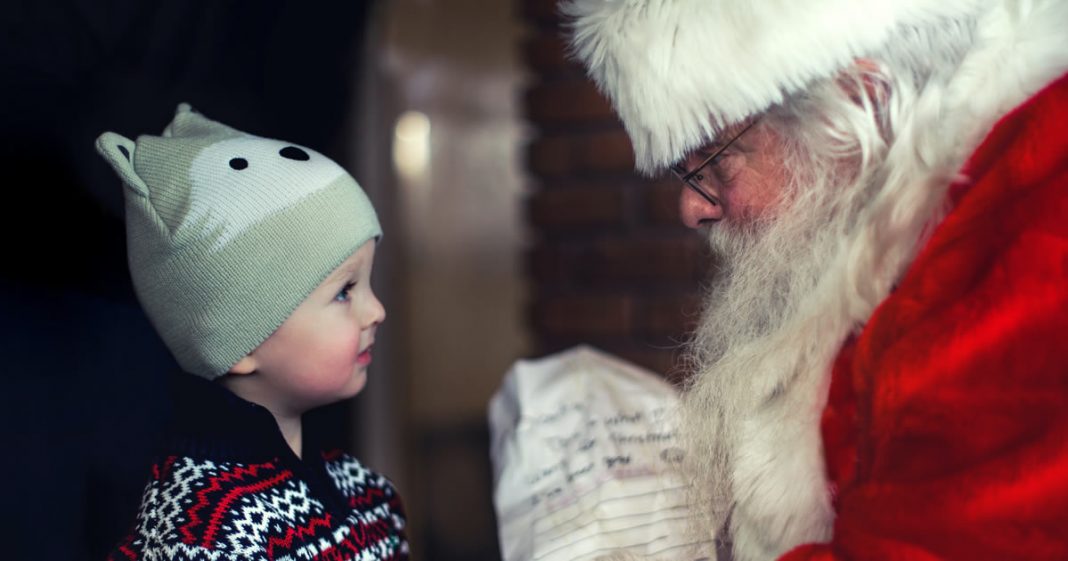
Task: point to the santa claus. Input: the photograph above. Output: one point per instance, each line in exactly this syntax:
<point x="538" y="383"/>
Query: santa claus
<point x="881" y="371"/>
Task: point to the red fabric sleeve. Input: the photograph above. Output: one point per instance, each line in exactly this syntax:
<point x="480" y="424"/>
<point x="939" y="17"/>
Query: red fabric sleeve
<point x="946" y="431"/>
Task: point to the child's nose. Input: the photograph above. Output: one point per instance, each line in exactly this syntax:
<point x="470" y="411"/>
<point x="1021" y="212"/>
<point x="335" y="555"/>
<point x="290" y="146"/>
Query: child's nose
<point x="375" y="312"/>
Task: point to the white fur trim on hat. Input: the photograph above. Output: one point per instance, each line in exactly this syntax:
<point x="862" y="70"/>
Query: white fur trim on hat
<point x="678" y="71"/>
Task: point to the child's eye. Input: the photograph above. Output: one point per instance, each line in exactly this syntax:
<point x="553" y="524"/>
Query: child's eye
<point x="343" y="295"/>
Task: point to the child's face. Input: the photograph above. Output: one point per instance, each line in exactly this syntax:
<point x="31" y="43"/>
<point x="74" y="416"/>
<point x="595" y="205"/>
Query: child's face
<point x="321" y="352"/>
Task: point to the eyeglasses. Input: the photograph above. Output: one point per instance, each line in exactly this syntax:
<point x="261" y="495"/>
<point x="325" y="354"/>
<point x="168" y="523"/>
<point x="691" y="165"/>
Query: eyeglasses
<point x="693" y="179"/>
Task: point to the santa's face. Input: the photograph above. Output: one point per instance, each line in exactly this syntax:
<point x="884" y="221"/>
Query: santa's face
<point x="782" y="200"/>
<point x="746" y="179"/>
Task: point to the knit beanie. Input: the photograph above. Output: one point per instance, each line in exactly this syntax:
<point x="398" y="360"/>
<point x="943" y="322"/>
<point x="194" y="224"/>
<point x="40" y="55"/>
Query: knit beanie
<point x="227" y="233"/>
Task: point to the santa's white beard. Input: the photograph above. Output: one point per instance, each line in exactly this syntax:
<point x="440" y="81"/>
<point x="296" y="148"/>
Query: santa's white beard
<point x="758" y="357"/>
<point x="766" y="267"/>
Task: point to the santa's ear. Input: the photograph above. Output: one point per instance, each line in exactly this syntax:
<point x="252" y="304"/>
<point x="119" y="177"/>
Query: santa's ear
<point x="864" y="81"/>
<point x="244" y="367"/>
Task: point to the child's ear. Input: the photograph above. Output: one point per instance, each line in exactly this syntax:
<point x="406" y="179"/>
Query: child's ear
<point x="244" y="367"/>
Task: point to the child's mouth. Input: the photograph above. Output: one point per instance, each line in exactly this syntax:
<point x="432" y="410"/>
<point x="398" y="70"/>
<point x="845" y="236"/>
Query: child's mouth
<point x="364" y="358"/>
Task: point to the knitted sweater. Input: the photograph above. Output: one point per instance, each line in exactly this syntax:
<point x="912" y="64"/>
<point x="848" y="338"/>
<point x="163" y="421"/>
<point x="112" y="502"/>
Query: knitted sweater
<point x="228" y="487"/>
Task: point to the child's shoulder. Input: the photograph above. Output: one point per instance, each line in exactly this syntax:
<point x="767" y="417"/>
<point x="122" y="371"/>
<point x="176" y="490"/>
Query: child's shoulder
<point x="192" y="506"/>
<point x="356" y="481"/>
<point x="195" y="508"/>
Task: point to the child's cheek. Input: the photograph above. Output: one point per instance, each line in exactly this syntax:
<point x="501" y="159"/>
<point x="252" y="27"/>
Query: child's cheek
<point x="350" y="378"/>
<point x="345" y="349"/>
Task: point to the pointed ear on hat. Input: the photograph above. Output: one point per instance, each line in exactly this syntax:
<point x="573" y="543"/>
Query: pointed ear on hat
<point x="119" y="152"/>
<point x="190" y="122"/>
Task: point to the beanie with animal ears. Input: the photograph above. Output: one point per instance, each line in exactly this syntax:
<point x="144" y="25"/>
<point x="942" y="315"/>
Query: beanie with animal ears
<point x="228" y="232"/>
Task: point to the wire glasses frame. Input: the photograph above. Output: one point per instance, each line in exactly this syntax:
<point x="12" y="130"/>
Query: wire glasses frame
<point x="693" y="178"/>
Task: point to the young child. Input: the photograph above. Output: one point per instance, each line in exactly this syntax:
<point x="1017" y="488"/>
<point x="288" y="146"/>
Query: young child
<point x="252" y="258"/>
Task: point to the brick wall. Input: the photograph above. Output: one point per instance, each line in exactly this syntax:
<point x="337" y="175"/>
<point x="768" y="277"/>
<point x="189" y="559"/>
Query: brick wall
<point x="610" y="263"/>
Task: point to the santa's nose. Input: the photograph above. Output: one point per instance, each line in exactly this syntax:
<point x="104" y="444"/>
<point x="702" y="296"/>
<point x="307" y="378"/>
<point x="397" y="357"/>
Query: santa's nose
<point x="697" y="209"/>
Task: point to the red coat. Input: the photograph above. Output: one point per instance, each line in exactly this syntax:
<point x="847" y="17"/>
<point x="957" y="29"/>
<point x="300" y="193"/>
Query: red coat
<point x="946" y="430"/>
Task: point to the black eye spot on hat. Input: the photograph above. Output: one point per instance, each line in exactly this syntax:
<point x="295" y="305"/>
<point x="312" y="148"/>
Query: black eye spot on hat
<point x="124" y="151"/>
<point x="294" y="153"/>
<point x="239" y="163"/>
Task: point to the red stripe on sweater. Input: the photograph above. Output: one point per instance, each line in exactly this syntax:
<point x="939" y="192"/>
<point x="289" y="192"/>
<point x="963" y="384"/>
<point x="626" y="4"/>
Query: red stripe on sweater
<point x="215" y="485"/>
<point x="297" y="532"/>
<point x="224" y="505"/>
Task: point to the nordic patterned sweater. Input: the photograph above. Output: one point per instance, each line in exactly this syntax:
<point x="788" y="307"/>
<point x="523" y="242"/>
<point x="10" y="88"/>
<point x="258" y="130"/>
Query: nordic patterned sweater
<point x="227" y="487"/>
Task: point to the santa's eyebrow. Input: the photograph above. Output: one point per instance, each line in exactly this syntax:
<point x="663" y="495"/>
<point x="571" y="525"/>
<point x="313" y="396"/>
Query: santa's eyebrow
<point x="725" y="136"/>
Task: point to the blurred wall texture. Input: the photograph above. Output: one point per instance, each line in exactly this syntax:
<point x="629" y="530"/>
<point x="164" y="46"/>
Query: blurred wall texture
<point x="610" y="264"/>
<point x="456" y="137"/>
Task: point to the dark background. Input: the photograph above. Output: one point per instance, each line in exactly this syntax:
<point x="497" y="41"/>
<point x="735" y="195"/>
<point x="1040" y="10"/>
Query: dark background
<point x="83" y="372"/>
